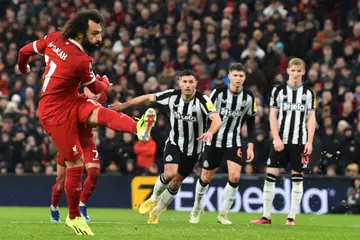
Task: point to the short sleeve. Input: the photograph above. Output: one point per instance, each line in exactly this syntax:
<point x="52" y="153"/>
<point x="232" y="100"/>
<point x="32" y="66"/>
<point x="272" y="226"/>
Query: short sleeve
<point x="40" y="45"/>
<point x="311" y="101"/>
<point x="206" y="105"/>
<point x="85" y="72"/>
<point x="164" y="97"/>
<point x="252" y="109"/>
<point x="274" y="101"/>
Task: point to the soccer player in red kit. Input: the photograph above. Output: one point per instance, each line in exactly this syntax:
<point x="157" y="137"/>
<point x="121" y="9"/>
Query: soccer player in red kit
<point x="62" y="110"/>
<point x="91" y="162"/>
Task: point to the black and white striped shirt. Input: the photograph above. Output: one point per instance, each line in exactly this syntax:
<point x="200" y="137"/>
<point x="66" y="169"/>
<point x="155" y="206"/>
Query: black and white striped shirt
<point x="187" y="118"/>
<point x="233" y="109"/>
<point x="293" y="105"/>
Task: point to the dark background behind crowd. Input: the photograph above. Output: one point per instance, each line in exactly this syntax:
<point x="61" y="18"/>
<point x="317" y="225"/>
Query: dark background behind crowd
<point x="145" y="45"/>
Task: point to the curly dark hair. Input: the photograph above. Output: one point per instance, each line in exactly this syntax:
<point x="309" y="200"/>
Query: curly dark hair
<point x="79" y="23"/>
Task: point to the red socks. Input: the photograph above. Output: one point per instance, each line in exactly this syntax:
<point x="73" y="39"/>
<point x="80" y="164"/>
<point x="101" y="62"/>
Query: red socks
<point x="73" y="190"/>
<point x="90" y="183"/>
<point x="116" y="121"/>
<point x="57" y="191"/>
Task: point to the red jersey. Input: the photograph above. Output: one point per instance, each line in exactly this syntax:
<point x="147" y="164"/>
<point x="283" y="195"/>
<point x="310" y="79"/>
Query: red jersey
<point x="67" y="65"/>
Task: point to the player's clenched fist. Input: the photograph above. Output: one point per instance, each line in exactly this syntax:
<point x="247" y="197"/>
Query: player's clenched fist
<point x="22" y="70"/>
<point x="278" y="145"/>
<point x="104" y="79"/>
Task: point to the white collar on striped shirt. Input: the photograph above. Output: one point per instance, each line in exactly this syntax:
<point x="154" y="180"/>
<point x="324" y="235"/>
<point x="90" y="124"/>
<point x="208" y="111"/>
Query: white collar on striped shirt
<point x="294" y="88"/>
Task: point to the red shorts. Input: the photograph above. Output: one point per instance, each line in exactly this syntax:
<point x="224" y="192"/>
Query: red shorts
<point x="88" y="146"/>
<point x="67" y="136"/>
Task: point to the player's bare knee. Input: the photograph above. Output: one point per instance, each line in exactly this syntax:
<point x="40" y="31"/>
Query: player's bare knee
<point x="206" y="176"/>
<point x="59" y="185"/>
<point x="60" y="173"/>
<point x="77" y="163"/>
<point x="170" y="174"/>
<point x="295" y="172"/>
<point x="273" y="171"/>
<point x="176" y="182"/>
<point x="61" y="178"/>
<point x="234" y="177"/>
<point x="92" y="120"/>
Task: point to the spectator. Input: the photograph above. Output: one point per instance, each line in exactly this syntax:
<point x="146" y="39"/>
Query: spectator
<point x="3" y="167"/>
<point x="352" y="204"/>
<point x="19" y="169"/>
<point x="145" y="153"/>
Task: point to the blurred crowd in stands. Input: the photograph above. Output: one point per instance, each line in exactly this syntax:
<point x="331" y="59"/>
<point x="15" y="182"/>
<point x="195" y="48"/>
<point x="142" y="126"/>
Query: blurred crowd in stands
<point x="147" y="42"/>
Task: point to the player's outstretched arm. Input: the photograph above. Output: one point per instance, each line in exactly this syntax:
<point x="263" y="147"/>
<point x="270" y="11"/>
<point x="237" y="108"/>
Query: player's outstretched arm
<point x="119" y="107"/>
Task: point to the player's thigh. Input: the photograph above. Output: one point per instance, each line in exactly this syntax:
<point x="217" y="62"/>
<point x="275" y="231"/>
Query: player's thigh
<point x="66" y="139"/>
<point x="84" y="109"/>
<point x="297" y="162"/>
<point x="235" y="161"/>
<point x="211" y="158"/>
<point x="234" y="155"/>
<point x="277" y="159"/>
<point x="171" y="160"/>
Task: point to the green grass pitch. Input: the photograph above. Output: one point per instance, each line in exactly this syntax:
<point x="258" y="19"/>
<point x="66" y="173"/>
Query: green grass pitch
<point x="33" y="223"/>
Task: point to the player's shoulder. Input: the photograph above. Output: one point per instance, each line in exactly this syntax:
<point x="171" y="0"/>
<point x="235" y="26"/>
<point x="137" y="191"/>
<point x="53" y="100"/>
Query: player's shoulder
<point x="69" y="47"/>
<point x="248" y="92"/>
<point x="277" y="89"/>
<point x="53" y="36"/>
<point x="174" y="91"/>
<point x="200" y="95"/>
<point x="169" y="92"/>
<point x="309" y="90"/>
<point x="220" y="89"/>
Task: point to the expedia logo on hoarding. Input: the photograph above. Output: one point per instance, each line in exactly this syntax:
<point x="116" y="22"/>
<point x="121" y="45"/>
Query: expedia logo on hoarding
<point x="250" y="198"/>
<point x="141" y="188"/>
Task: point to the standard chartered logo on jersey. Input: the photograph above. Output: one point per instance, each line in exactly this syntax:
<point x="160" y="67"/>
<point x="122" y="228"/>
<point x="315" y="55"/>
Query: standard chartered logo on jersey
<point x="251" y="199"/>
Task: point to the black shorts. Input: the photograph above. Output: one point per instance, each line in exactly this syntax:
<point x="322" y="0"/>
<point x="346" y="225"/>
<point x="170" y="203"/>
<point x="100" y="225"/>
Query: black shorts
<point x="172" y="154"/>
<point x="213" y="157"/>
<point x="292" y="153"/>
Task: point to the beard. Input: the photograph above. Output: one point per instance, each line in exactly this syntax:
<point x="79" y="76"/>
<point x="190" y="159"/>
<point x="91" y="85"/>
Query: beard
<point x="89" y="47"/>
